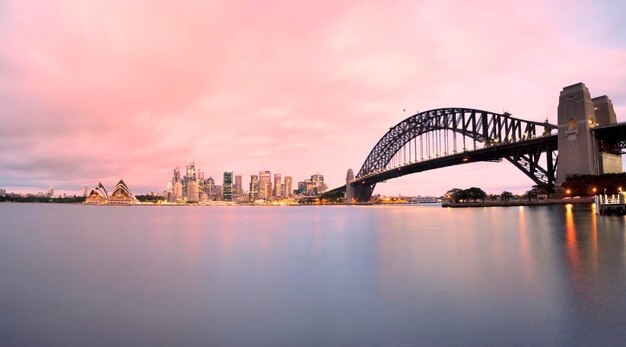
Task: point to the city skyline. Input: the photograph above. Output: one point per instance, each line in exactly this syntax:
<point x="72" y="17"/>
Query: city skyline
<point x="194" y="186"/>
<point x="100" y="91"/>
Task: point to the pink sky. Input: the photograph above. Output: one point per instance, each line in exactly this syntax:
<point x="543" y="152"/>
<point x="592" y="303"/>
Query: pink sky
<point x="101" y="90"/>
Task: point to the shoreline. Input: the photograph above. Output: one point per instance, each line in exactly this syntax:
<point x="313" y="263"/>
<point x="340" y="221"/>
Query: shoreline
<point x="581" y="201"/>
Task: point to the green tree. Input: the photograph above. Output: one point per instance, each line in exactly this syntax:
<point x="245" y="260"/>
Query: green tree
<point x="506" y="196"/>
<point x="475" y="193"/>
<point x="454" y="194"/>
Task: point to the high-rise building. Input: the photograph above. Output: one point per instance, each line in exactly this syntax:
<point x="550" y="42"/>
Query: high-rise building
<point x="209" y="188"/>
<point x="50" y="191"/>
<point x="288" y="187"/>
<point x="302" y="187"/>
<point x="190" y="176"/>
<point x="177" y="191"/>
<point x="218" y="192"/>
<point x="265" y="184"/>
<point x="3" y="192"/>
<point x="277" y="183"/>
<point x="85" y="191"/>
<point x="254" y="187"/>
<point x="313" y="186"/>
<point x="176" y="177"/>
<point x="192" y="192"/>
<point x="191" y="170"/>
<point x="238" y="187"/>
<point x="227" y="188"/>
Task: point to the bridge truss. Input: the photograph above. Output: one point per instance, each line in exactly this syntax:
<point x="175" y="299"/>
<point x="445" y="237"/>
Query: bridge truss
<point x="437" y="136"/>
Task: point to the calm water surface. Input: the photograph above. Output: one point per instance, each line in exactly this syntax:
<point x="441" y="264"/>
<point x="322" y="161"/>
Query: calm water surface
<point x="74" y="275"/>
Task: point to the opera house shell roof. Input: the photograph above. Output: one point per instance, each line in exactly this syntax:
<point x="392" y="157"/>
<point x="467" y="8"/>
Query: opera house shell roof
<point x="98" y="195"/>
<point x="121" y="195"/>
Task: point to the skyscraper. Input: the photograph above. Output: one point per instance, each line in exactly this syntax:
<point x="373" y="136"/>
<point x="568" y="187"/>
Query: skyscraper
<point x="238" y="187"/>
<point x="85" y="191"/>
<point x="192" y="191"/>
<point x="50" y="191"/>
<point x="313" y="186"/>
<point x="209" y="188"/>
<point x="277" y="183"/>
<point x="265" y="184"/>
<point x="288" y="186"/>
<point x="228" y="186"/>
<point x="254" y="187"/>
<point x="176" y="177"/>
<point x="177" y="191"/>
<point x="191" y="170"/>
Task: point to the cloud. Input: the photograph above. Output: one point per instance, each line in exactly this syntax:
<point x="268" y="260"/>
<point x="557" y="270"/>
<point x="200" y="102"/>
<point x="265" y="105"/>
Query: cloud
<point x="107" y="89"/>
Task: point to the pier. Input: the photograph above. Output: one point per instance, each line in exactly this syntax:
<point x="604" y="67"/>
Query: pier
<point x="611" y="204"/>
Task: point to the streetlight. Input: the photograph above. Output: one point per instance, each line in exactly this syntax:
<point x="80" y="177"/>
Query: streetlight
<point x="568" y="192"/>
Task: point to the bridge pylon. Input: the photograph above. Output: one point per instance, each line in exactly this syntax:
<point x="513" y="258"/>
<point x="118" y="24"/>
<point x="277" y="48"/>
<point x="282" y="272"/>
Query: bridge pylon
<point x="349" y="195"/>
<point x="579" y="150"/>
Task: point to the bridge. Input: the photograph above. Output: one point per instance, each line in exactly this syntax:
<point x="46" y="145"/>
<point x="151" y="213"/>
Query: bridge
<point x="590" y="139"/>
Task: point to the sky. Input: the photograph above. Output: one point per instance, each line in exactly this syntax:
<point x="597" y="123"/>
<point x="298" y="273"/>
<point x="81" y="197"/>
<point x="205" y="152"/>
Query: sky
<point x="101" y="90"/>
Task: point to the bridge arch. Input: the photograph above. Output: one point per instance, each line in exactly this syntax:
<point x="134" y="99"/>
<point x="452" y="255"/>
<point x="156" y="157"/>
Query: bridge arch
<point x="447" y="132"/>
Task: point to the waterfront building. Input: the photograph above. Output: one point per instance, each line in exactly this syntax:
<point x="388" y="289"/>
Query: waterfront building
<point x="3" y="192"/>
<point x="121" y="195"/>
<point x="277" y="186"/>
<point x="190" y="176"/>
<point x="254" y="187"/>
<point x="218" y="192"/>
<point x="175" y="187"/>
<point x="318" y="182"/>
<point x="288" y="191"/>
<point x="98" y="195"/>
<point x="50" y="191"/>
<point x="85" y="191"/>
<point x="265" y="184"/>
<point x="301" y="187"/>
<point x="191" y="170"/>
<point x="228" y="186"/>
<point x="313" y="186"/>
<point x="238" y="187"/>
<point x="209" y="188"/>
<point x="169" y="191"/>
<point x="178" y="191"/>
<point x="192" y="192"/>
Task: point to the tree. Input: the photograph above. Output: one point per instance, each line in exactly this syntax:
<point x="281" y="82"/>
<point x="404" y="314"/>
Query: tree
<point x="475" y="193"/>
<point x="454" y="194"/>
<point x="506" y="196"/>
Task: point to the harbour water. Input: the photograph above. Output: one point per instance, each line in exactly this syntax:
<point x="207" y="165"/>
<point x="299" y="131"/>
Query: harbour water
<point x="73" y="275"/>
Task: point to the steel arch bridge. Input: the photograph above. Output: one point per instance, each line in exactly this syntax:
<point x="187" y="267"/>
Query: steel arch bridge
<point x="451" y="136"/>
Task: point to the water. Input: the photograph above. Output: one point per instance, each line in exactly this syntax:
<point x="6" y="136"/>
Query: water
<point x="75" y="275"/>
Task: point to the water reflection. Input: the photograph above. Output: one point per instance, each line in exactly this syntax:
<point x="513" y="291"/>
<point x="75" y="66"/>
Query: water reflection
<point x="311" y="276"/>
<point x="573" y="259"/>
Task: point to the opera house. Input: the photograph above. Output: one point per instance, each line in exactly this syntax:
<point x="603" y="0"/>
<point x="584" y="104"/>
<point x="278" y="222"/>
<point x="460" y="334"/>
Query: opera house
<point x="121" y="195"/>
